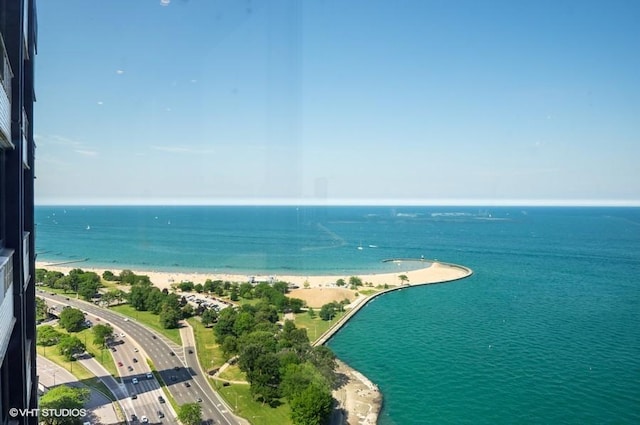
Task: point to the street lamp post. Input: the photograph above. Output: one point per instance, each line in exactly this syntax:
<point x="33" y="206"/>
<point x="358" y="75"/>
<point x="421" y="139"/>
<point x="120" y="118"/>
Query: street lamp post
<point x="54" y="377"/>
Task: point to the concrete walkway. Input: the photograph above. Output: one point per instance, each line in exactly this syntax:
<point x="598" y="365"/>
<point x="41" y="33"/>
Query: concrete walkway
<point x="100" y="408"/>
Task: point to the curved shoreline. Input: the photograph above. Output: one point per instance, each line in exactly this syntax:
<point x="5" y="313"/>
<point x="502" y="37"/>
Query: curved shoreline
<point x="363" y="400"/>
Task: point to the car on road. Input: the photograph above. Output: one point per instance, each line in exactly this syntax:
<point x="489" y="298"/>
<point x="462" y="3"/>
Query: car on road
<point x="171" y="353"/>
<point x="176" y="368"/>
<point x="135" y="360"/>
<point x="129" y="368"/>
<point x="153" y="336"/>
<point x="186" y="384"/>
<point x="160" y="399"/>
<point x="134" y="418"/>
<point x="122" y="335"/>
<point x="135" y="349"/>
<point x="119" y="364"/>
<point x="149" y="375"/>
<point x="190" y="351"/>
<point x="144" y="420"/>
<point x="134" y="396"/>
<point x="126" y="319"/>
<point x="114" y="349"/>
<point x="134" y="380"/>
<point x="160" y="414"/>
<point x="199" y="400"/>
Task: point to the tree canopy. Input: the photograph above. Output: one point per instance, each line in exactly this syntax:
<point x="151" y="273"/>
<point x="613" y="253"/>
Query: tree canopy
<point x="63" y="397"/>
<point x="190" y="414"/>
<point x="72" y="319"/>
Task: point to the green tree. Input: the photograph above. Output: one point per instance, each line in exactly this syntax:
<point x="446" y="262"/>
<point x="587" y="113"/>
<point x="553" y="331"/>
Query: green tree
<point x="187" y="311"/>
<point x="325" y="362"/>
<point x="72" y="319"/>
<point x="109" y="276"/>
<point x="244" y="323"/>
<point x="101" y="334"/>
<point x="265" y="378"/>
<point x="233" y="294"/>
<point x="404" y="279"/>
<point x="169" y="316"/>
<point x="154" y="300"/>
<point x="42" y="310"/>
<point x="311" y="312"/>
<point x="63" y="397"/>
<point x="199" y="287"/>
<point x="225" y="324"/>
<point x="190" y="414"/>
<point x="127" y="277"/>
<point x="40" y="275"/>
<point x="138" y="295"/>
<point x="354" y="282"/>
<point x="87" y="289"/>
<point x="245" y="290"/>
<point x="209" y="316"/>
<point x="340" y="282"/>
<point x="186" y="286"/>
<point x="296" y="304"/>
<point x="47" y="335"/>
<point x="69" y="346"/>
<point x="51" y="277"/>
<point x="297" y="377"/>
<point x="312" y="406"/>
<point x="328" y="311"/>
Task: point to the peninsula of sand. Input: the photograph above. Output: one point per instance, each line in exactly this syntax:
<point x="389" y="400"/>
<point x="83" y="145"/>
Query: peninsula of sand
<point x="359" y="400"/>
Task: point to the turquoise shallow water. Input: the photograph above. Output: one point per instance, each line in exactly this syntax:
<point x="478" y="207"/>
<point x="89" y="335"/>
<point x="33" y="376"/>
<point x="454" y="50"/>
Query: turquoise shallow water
<point x="547" y="330"/>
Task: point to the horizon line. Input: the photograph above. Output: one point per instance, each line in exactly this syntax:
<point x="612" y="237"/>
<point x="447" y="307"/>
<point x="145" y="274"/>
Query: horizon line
<point x="343" y="202"/>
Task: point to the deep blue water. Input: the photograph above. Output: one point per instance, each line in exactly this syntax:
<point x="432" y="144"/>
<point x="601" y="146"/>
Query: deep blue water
<point x="547" y="330"/>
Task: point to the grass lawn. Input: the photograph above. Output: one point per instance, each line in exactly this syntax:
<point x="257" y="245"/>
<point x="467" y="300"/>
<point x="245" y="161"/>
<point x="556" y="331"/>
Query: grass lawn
<point x="233" y="373"/>
<point x="369" y="291"/>
<point x="79" y="371"/>
<point x="209" y="353"/>
<point x="148" y="319"/>
<point x="102" y="356"/>
<point x="254" y="411"/>
<point x="315" y="326"/>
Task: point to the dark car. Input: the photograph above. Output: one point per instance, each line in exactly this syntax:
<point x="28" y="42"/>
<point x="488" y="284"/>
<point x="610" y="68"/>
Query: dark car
<point x="160" y="414"/>
<point x="199" y="400"/>
<point x="160" y="399"/>
<point x="186" y="384"/>
<point x="134" y="396"/>
<point x="171" y="353"/>
<point x="190" y="351"/>
<point x="129" y="368"/>
<point x="176" y="368"/>
<point x="134" y="418"/>
<point x="135" y="360"/>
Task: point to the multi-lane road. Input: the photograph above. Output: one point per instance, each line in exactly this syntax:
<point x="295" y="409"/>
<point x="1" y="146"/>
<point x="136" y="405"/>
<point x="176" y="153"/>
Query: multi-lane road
<point x="177" y="366"/>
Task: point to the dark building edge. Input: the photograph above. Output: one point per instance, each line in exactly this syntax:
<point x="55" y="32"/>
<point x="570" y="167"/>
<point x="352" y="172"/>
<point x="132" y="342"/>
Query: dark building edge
<point x="18" y="374"/>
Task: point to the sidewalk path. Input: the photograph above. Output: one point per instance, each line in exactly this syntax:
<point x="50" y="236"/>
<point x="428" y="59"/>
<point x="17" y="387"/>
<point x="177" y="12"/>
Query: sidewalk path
<point x="101" y="409"/>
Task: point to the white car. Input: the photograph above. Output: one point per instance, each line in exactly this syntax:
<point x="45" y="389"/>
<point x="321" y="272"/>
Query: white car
<point x="144" y="420"/>
<point x="135" y="349"/>
<point x="126" y="319"/>
<point x="134" y="380"/>
<point x="149" y="375"/>
<point x="122" y="335"/>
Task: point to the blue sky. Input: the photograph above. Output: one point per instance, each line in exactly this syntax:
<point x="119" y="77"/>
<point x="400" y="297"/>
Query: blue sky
<point x="396" y="102"/>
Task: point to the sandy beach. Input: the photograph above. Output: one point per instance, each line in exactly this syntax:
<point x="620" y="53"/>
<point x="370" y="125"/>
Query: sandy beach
<point x="436" y="272"/>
